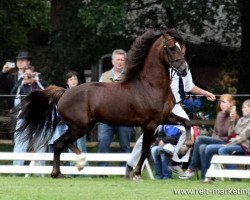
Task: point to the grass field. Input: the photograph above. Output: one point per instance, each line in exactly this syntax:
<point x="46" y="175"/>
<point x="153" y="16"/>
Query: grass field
<point x="117" y="188"/>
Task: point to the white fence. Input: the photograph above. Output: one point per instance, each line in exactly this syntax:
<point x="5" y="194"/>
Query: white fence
<point x="88" y="170"/>
<point x="217" y="167"/>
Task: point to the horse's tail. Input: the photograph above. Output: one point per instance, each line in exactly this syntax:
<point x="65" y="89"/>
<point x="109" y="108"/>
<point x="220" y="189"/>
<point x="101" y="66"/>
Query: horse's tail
<point x="38" y="117"/>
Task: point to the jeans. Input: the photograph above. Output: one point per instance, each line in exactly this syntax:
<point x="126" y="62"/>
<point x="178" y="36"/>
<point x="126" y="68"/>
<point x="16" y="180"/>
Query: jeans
<point x="209" y="151"/>
<point x="61" y="128"/>
<point x="162" y="161"/>
<point x="228" y="150"/>
<point x="105" y="137"/>
<point x="81" y="144"/>
<point x="199" y="156"/>
<point x="21" y="145"/>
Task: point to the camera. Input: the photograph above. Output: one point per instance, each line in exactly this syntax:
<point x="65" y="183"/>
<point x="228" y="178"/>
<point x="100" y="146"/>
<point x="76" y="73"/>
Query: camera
<point x="32" y="76"/>
<point x="11" y="65"/>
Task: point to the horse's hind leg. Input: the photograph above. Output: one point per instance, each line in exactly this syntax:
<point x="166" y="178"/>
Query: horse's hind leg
<point x="58" y="148"/>
<point x="65" y="141"/>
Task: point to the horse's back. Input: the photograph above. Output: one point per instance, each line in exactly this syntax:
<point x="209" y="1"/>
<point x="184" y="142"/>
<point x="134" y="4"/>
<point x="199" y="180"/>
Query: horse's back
<point x="87" y="101"/>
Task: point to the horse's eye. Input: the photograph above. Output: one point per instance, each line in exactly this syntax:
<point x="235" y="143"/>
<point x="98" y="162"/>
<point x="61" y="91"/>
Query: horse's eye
<point x="172" y="48"/>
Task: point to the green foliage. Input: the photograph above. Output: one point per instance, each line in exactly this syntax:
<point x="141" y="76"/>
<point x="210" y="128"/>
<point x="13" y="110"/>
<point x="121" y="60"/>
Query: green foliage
<point x="81" y="37"/>
<point x="81" y="31"/>
<point x="105" y="18"/>
<point x="17" y="19"/>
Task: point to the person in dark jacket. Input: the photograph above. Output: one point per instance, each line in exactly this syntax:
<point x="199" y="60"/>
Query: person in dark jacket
<point x="12" y="72"/>
<point x="29" y="83"/>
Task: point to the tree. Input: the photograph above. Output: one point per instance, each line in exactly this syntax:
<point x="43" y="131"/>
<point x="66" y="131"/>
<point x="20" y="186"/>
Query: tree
<point x="227" y="18"/>
<point x="81" y="33"/>
<point x="17" y="19"/>
<point x="244" y="71"/>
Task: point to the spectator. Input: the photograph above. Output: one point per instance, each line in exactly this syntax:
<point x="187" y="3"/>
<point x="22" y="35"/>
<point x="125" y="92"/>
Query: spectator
<point x="238" y="136"/>
<point x="106" y="131"/>
<point x="9" y="76"/>
<point x="72" y="80"/>
<point x="30" y="82"/>
<point x="205" y="146"/>
<point x="163" y="149"/>
<point x="188" y="86"/>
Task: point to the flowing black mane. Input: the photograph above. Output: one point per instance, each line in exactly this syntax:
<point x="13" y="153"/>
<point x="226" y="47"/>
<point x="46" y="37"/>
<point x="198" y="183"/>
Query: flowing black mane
<point x="138" y="52"/>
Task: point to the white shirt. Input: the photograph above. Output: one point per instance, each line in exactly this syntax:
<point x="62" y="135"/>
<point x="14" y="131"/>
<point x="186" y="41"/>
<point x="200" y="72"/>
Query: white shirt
<point x="187" y="83"/>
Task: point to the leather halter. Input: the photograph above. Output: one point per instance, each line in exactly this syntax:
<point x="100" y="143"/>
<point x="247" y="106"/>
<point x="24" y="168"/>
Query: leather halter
<point x="174" y="69"/>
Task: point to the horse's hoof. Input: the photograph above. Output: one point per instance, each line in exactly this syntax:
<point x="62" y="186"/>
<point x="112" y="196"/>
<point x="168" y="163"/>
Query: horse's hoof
<point x="137" y="178"/>
<point x="80" y="161"/>
<point x="57" y="175"/>
<point x="129" y="173"/>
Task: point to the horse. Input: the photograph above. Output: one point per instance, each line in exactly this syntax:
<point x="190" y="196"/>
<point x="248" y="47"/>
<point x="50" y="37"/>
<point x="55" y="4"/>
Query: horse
<point x="142" y="98"/>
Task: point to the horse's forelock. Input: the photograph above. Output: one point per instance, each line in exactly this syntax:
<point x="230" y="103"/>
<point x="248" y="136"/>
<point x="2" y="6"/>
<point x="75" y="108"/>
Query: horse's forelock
<point x="138" y="53"/>
<point x="176" y="35"/>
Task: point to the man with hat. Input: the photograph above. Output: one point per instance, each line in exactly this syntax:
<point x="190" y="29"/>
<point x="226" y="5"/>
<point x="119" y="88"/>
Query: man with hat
<point x="9" y="76"/>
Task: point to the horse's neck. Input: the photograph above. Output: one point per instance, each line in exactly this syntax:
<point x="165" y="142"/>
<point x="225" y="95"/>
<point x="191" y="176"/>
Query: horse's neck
<point x="156" y="74"/>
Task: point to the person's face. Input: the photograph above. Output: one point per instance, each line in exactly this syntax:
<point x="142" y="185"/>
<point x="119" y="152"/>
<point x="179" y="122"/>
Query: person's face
<point x="245" y="109"/>
<point x="225" y="104"/>
<point x="118" y="62"/>
<point x="22" y="63"/>
<point x="72" y="81"/>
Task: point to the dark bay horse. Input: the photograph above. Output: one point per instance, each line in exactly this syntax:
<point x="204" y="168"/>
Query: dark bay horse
<point x="143" y="98"/>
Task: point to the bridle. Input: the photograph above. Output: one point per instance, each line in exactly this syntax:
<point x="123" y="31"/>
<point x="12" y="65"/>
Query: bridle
<point x="174" y="69"/>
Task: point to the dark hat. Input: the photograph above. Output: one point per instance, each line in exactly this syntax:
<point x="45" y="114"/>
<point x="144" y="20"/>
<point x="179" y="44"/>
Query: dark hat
<point x="24" y="54"/>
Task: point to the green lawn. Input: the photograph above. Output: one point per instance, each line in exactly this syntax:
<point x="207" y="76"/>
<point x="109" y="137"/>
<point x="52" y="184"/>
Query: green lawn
<point x="38" y="188"/>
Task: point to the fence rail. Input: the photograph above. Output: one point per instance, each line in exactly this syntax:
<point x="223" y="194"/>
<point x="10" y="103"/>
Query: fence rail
<point x="88" y="170"/>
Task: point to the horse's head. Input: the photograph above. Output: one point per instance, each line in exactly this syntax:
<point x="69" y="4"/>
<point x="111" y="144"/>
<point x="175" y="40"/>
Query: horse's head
<point x="175" y="51"/>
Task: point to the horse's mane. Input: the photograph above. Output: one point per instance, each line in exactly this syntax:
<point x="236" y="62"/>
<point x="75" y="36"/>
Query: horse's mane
<point x="138" y="53"/>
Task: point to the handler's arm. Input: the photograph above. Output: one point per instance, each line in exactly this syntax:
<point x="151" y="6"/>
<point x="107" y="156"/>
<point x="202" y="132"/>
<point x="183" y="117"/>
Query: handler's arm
<point x="210" y="96"/>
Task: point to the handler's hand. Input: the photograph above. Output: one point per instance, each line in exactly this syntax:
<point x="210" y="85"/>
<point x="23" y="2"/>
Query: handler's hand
<point x="210" y="96"/>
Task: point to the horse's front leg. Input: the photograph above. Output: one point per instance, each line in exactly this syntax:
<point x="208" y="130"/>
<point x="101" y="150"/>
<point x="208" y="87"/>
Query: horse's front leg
<point x="81" y="158"/>
<point x="188" y="142"/>
<point x="148" y="136"/>
<point x="175" y="119"/>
